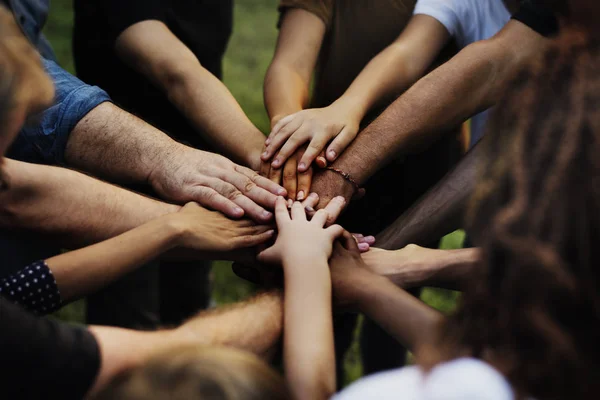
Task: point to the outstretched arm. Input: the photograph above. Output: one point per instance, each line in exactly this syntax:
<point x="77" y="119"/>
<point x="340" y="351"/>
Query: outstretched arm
<point x="287" y="83"/>
<point x="150" y="48"/>
<point x="442" y="99"/>
<point x="388" y="74"/>
<point x="254" y="325"/>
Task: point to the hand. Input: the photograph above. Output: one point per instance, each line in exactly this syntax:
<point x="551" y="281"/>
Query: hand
<point x="348" y="270"/>
<point x="328" y="185"/>
<point x="296" y="183"/>
<point x="299" y="239"/>
<point x="210" y="231"/>
<point x="215" y="182"/>
<point x="319" y="126"/>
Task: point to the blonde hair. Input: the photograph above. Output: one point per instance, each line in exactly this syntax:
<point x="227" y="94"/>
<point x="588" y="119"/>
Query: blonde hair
<point x="197" y="373"/>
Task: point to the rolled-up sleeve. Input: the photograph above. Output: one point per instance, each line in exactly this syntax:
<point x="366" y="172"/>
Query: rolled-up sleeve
<point x="44" y="139"/>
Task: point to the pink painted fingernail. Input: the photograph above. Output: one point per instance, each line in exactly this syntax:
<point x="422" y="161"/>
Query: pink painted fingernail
<point x="300" y="195"/>
<point x="370" y="239"/>
<point x="363" y="246"/>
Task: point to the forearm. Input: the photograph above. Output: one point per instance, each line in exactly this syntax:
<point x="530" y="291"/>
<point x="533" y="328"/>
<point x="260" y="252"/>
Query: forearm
<point x="118" y="146"/>
<point x="254" y="325"/>
<point x="215" y="113"/>
<point x="437" y="102"/>
<point x="72" y="208"/>
<point x="308" y="339"/>
<point x="415" y="266"/>
<point x="83" y="271"/>
<point x="285" y="92"/>
<point x="440" y="210"/>
<point x="403" y="316"/>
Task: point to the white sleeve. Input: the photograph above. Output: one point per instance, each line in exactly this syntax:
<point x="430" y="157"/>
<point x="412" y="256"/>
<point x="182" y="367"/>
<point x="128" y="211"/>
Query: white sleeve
<point x="466" y="379"/>
<point x="404" y="383"/>
<point x="447" y="12"/>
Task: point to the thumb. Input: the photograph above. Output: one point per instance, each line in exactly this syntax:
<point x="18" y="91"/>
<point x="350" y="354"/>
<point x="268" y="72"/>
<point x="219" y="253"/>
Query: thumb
<point x="349" y="242"/>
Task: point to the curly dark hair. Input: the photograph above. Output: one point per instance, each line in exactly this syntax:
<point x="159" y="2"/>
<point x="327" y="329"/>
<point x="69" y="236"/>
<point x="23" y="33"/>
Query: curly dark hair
<point x="534" y="310"/>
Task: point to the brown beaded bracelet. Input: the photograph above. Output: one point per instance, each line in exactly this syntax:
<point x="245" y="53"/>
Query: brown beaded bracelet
<point x="346" y="176"/>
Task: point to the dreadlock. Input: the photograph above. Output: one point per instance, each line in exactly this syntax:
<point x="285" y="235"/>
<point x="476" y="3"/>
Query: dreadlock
<point x="534" y="310"/>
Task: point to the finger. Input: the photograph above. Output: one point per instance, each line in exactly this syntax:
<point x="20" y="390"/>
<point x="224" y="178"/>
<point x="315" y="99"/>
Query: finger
<point x="304" y="182"/>
<point x="251" y="208"/>
<point x="290" y="177"/>
<point x="335" y="231"/>
<point x="311" y="201"/>
<point x="212" y="199"/>
<point x="349" y="242"/>
<point x="281" y="212"/>
<point x="279" y="125"/>
<point x="253" y="240"/>
<point x="363" y="247"/>
<point x="316" y="146"/>
<point x="289" y="148"/>
<point x="260" y="182"/>
<point x="289" y="132"/>
<point x="320" y="217"/>
<point x="339" y="144"/>
<point x="321" y="161"/>
<point x="298" y="212"/>
<point x="334" y="208"/>
<point x="265" y="167"/>
<point x="275" y="174"/>
<point x="370" y="240"/>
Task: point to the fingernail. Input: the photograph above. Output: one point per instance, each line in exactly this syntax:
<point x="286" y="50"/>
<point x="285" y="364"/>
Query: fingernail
<point x="238" y="210"/>
<point x="363" y="246"/>
<point x="290" y="203"/>
<point x="309" y="209"/>
<point x="266" y="214"/>
<point x="358" y="235"/>
<point x="276" y="163"/>
<point x="281" y="192"/>
<point x="268" y="141"/>
<point x="300" y="195"/>
<point x="341" y="198"/>
<point x="302" y="166"/>
<point x="264" y="154"/>
<point x="313" y="194"/>
<point x="271" y="232"/>
<point x="370" y="239"/>
<point x="332" y="154"/>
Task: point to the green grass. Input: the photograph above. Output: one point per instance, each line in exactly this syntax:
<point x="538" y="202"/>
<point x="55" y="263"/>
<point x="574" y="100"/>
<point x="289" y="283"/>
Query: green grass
<point x="248" y="56"/>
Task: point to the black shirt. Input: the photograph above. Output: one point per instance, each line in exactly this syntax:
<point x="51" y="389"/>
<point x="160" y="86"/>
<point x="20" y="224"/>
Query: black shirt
<point x="204" y="26"/>
<point x="538" y="17"/>
<point x="44" y="359"/>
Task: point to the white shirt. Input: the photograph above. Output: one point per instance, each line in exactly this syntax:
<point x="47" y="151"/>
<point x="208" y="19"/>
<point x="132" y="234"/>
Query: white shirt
<point x="468" y="21"/>
<point x="461" y="379"/>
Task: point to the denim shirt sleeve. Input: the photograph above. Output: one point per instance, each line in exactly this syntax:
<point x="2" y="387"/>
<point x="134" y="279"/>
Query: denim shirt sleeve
<point x="45" y="141"/>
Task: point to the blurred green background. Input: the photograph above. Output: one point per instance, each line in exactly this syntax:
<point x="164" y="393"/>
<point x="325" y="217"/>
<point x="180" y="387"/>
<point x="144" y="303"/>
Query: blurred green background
<point x="248" y="56"/>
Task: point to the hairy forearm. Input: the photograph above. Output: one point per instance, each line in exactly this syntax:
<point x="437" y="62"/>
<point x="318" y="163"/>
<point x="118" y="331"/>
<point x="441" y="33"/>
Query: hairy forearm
<point x="437" y="102"/>
<point x="308" y="339"/>
<point x="254" y="325"/>
<point x="440" y="210"/>
<point x="285" y="91"/>
<point x="215" y="113"/>
<point x="118" y="146"/>
<point x="72" y="208"/>
<point x="403" y="316"/>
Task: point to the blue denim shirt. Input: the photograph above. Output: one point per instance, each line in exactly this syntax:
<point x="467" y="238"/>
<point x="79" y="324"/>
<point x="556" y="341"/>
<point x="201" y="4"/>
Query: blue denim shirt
<point x="31" y="16"/>
<point x="44" y="142"/>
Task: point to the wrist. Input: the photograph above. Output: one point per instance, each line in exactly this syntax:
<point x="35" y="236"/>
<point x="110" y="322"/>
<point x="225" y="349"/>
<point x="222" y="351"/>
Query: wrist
<point x="353" y="107"/>
<point x="163" y="160"/>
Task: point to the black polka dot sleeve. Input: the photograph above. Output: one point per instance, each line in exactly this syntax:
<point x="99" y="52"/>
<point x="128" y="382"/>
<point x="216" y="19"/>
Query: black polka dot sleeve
<point x="33" y="288"/>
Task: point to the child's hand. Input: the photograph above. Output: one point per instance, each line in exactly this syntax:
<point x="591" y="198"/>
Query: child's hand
<point x="300" y="240"/>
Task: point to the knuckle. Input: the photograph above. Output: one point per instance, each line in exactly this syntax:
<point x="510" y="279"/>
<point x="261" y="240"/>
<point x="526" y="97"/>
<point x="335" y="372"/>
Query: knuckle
<point x="249" y="186"/>
<point x="233" y="194"/>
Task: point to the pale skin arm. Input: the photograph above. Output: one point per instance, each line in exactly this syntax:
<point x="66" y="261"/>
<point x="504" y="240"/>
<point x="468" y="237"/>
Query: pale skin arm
<point x="392" y="71"/>
<point x="254" y="325"/>
<point x="441" y="99"/>
<point x="150" y="48"/>
<point x="82" y="271"/>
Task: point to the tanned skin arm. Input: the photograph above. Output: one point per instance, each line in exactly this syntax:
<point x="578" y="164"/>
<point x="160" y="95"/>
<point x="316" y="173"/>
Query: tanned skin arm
<point x="442" y="99"/>
<point x="287" y="83"/>
<point x="254" y="325"/>
<point x="72" y="208"/>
